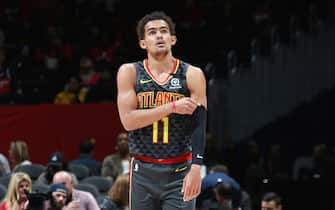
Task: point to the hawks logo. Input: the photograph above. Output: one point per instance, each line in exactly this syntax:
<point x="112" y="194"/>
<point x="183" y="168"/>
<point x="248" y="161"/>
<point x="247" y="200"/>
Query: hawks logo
<point x="175" y="83"/>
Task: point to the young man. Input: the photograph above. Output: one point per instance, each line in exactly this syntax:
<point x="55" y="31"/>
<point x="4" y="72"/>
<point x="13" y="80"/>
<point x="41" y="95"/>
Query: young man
<point x="58" y="195"/>
<point x="118" y="162"/>
<point x="162" y="103"/>
<point x="76" y="199"/>
<point x="271" y="201"/>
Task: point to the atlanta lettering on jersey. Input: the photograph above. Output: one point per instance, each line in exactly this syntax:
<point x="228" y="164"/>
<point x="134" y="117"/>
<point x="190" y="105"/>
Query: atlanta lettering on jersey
<point x="151" y="100"/>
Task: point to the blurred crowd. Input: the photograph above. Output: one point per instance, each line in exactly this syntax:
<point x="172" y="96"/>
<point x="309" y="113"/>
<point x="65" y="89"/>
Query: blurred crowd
<point x="69" y="51"/>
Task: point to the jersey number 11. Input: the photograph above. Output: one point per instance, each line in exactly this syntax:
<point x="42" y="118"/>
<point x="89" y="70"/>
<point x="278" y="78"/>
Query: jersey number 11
<point x="155" y="125"/>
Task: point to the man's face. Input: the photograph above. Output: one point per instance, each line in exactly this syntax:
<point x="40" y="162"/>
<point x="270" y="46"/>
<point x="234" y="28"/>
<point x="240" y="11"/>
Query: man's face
<point x="59" y="199"/>
<point x="66" y="181"/>
<point x="270" y="205"/>
<point x="157" y="37"/>
<point x="122" y="144"/>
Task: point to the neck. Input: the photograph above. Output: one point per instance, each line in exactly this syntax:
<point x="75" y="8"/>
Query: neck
<point x="160" y="65"/>
<point x="124" y="155"/>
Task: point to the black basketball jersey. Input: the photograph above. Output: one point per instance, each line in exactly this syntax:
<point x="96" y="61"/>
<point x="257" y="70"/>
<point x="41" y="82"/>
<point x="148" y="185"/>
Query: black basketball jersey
<point x="171" y="136"/>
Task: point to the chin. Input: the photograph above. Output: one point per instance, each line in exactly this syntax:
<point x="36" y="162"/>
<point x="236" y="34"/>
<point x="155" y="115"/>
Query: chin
<point x="24" y="196"/>
<point x="161" y="53"/>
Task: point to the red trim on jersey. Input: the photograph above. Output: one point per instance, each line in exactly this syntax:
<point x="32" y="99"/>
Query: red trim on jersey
<point x="179" y="159"/>
<point x="173" y="71"/>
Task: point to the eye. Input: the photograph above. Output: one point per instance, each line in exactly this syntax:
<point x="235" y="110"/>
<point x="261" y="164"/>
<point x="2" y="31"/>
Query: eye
<point x="164" y="31"/>
<point x="152" y="32"/>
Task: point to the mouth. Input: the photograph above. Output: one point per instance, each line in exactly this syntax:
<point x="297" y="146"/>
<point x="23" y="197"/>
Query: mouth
<point x="160" y="44"/>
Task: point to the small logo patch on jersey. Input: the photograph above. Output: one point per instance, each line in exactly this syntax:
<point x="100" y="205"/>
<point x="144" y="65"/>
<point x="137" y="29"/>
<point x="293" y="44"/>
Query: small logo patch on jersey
<point x="136" y="167"/>
<point x="143" y="81"/>
<point x="180" y="169"/>
<point x="199" y="156"/>
<point x="175" y="83"/>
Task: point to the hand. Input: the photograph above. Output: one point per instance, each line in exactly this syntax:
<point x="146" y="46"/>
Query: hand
<point x="192" y="183"/>
<point x="185" y="105"/>
<point x="25" y="205"/>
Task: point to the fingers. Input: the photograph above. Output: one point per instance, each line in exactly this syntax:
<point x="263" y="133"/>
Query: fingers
<point x="186" y="105"/>
<point x="194" y="102"/>
<point x="190" y="190"/>
<point x="190" y="193"/>
<point x="190" y="107"/>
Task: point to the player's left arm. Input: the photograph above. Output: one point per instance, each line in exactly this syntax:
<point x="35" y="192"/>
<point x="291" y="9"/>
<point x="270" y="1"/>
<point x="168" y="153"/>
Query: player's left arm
<point x="197" y="86"/>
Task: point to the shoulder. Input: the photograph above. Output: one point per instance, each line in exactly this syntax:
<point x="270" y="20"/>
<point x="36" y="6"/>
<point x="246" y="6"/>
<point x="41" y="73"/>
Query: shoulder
<point x="26" y="162"/>
<point x="60" y="94"/>
<point x="110" y="157"/>
<point x="41" y="177"/>
<point x="3" y="160"/>
<point x="107" y="203"/>
<point x="194" y="71"/>
<point x="2" y="157"/>
<point x="126" y="73"/>
<point x="127" y="67"/>
<point x="195" y="77"/>
<point x="107" y="158"/>
<point x="83" y="195"/>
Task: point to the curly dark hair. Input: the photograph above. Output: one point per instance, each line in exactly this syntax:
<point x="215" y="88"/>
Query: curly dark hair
<point x="156" y="15"/>
<point x="272" y="196"/>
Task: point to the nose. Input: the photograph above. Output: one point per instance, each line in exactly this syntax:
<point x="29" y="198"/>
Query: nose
<point x="159" y="34"/>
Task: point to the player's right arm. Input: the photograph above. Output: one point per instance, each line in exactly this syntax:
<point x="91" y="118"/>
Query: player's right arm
<point x="133" y="118"/>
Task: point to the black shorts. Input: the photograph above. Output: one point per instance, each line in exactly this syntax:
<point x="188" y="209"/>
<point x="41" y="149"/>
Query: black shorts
<point x="158" y="186"/>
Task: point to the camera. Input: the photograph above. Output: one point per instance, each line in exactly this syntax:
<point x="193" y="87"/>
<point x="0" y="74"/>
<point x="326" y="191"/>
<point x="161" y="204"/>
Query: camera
<point x="37" y="200"/>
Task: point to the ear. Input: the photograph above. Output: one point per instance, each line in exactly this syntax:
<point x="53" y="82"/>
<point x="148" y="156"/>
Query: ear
<point x="142" y="44"/>
<point x="173" y="40"/>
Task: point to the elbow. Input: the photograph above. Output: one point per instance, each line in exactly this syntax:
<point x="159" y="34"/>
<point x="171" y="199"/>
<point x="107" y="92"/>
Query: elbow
<point x="128" y="125"/>
<point x="127" y="121"/>
<point x="128" y="128"/>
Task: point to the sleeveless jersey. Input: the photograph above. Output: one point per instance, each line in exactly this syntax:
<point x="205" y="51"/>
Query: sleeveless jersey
<point x="171" y="136"/>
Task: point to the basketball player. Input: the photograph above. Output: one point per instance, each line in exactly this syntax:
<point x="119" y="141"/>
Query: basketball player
<point x="162" y="103"/>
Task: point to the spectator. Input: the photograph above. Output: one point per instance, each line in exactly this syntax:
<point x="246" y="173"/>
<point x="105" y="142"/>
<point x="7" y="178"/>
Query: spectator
<point x="271" y="200"/>
<point x="118" y="196"/>
<point x="87" y="73"/>
<point x="72" y="93"/>
<point x="4" y="165"/>
<point x="18" y="154"/>
<point x="5" y="77"/>
<point x="56" y="163"/>
<point x="104" y="90"/>
<point x="16" y="197"/>
<point x="217" y="174"/>
<point x="219" y="190"/>
<point x="254" y="172"/>
<point x="226" y="196"/>
<point x="219" y="168"/>
<point x="324" y="162"/>
<point x="57" y="197"/>
<point x="86" y="150"/>
<point x="275" y="167"/>
<point x="118" y="163"/>
<point x="76" y="199"/>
